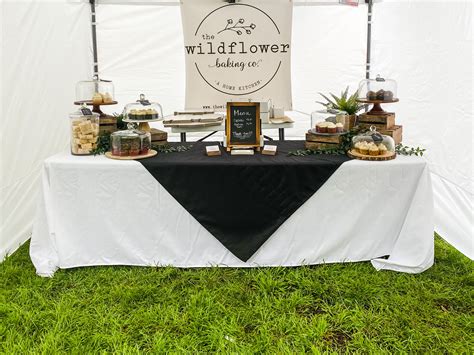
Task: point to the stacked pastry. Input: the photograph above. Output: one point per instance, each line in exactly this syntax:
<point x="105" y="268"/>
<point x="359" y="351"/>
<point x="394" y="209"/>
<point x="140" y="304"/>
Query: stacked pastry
<point x="370" y="148"/>
<point x="84" y="136"/>
<point x="99" y="98"/>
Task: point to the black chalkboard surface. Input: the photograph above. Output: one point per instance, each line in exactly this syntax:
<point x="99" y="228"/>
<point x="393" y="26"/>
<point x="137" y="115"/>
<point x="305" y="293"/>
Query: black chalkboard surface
<point x="243" y="124"/>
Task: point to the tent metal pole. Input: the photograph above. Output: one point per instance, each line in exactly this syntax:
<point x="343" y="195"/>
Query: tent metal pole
<point x="369" y="37"/>
<point x="94" y="39"/>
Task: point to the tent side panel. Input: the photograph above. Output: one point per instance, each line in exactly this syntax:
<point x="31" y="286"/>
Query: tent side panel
<point x="45" y="51"/>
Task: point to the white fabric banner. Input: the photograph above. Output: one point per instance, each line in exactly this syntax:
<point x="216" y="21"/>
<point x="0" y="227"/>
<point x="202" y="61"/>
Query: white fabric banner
<point x="236" y="51"/>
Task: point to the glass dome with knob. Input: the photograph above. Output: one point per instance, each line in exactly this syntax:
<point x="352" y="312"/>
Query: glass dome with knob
<point x="143" y="111"/>
<point x="372" y="145"/>
<point x="377" y="91"/>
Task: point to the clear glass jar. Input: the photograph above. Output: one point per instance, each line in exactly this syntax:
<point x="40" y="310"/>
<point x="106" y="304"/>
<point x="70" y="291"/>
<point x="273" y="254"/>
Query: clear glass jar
<point x="373" y="143"/>
<point x="84" y="131"/>
<point x="329" y="121"/>
<point x="143" y="110"/>
<point x="378" y="89"/>
<point x="95" y="92"/>
<point x="130" y="143"/>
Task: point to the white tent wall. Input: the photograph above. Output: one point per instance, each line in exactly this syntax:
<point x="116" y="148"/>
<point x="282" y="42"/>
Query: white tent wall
<point x="45" y="50"/>
<point x="426" y="46"/>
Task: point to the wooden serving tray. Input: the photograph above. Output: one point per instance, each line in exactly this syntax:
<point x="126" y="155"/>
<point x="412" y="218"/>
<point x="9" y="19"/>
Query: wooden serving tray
<point x="356" y="155"/>
<point x="150" y="154"/>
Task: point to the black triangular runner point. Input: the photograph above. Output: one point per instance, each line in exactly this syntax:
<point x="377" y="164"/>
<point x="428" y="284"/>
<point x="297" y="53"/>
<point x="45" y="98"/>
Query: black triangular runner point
<point x="242" y="200"/>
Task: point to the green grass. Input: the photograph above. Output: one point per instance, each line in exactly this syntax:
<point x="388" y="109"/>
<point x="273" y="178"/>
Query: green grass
<point x="335" y="308"/>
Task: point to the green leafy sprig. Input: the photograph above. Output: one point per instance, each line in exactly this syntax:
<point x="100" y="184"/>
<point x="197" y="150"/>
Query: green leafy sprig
<point x="406" y="150"/>
<point x="167" y="148"/>
<point x="103" y="144"/>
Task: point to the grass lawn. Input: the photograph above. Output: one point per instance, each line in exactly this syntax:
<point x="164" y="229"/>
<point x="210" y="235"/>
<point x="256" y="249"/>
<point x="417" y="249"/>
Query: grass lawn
<point x="337" y="307"/>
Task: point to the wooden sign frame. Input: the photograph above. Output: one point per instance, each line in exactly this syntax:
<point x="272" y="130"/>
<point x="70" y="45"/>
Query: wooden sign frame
<point x="258" y="125"/>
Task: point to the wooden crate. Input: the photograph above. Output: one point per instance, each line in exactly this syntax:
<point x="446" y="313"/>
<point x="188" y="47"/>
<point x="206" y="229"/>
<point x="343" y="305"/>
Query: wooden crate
<point x="159" y="143"/>
<point x="107" y="124"/>
<point x="158" y="135"/>
<point x="322" y="138"/>
<point x="317" y="145"/>
<point x="396" y="132"/>
<point x="385" y="121"/>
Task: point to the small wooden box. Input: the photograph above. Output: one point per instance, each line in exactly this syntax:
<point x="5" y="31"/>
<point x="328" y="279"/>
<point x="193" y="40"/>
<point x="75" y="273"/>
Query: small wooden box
<point x="107" y="124"/>
<point x="385" y="121"/>
<point x="396" y="132"/>
<point x="318" y="146"/>
<point x="323" y="138"/>
<point x="158" y="135"/>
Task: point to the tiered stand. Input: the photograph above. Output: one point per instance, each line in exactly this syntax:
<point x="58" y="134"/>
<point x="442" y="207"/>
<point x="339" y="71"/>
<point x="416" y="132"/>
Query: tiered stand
<point x="107" y="123"/>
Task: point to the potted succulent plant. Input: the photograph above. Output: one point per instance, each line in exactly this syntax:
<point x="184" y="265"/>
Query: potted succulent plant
<point x="346" y="103"/>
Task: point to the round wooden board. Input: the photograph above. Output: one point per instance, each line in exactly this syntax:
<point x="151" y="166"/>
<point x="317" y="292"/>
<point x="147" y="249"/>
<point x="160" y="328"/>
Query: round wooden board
<point x="357" y="155"/>
<point x="89" y="103"/>
<point x="150" y="154"/>
<point x="366" y="101"/>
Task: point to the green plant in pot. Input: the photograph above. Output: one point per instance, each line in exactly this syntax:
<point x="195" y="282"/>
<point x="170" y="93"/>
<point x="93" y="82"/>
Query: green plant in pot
<point x="346" y="103"/>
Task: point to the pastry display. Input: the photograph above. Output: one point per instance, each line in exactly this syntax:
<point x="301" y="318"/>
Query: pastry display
<point x="95" y="91"/>
<point x="84" y="132"/>
<point x="142" y="110"/>
<point x="373" y="144"/>
<point x="322" y="127"/>
<point x="143" y="114"/>
<point x="380" y="95"/>
<point x="130" y="143"/>
<point x="329" y="127"/>
<point x="378" y="89"/>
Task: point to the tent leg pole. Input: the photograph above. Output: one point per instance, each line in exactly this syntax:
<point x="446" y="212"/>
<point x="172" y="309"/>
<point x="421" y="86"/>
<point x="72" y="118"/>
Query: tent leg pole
<point x="94" y="39"/>
<point x="369" y="37"/>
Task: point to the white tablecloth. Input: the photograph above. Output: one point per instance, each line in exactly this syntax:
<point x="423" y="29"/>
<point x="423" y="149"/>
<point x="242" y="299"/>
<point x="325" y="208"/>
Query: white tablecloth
<point x="97" y="211"/>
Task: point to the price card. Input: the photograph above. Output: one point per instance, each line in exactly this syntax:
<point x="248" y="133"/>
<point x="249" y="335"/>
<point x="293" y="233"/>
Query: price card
<point x="86" y="111"/>
<point x="269" y="149"/>
<point x="212" y="150"/>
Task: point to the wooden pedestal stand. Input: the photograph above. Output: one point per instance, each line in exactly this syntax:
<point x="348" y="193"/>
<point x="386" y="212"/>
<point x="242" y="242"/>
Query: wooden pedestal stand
<point x="377" y="108"/>
<point x="143" y="124"/>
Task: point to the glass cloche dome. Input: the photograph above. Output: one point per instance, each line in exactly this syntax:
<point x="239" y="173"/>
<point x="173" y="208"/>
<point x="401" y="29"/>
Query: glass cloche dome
<point x="143" y="110"/>
<point x="373" y="143"/>
<point x="130" y="143"/>
<point x="378" y="89"/>
<point x="95" y="91"/>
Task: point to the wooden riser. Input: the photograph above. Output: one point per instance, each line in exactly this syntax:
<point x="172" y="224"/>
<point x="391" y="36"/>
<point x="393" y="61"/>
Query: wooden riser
<point x="320" y="138"/>
<point x="396" y="132"/>
<point x="380" y="121"/>
<point x="317" y="146"/>
<point x="158" y="135"/>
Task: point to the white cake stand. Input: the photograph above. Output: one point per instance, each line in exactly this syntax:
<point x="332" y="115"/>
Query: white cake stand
<point x="143" y="124"/>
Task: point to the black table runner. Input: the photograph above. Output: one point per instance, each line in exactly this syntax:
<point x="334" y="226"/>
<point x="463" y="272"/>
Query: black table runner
<point x="242" y="200"/>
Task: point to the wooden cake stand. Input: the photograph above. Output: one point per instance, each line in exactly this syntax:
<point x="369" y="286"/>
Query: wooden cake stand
<point x="150" y="154"/>
<point x="356" y="155"/>
<point x="95" y="107"/>
<point x="143" y="124"/>
<point x="377" y="108"/>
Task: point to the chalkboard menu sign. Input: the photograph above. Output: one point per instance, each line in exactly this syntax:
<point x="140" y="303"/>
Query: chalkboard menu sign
<point x="243" y="124"/>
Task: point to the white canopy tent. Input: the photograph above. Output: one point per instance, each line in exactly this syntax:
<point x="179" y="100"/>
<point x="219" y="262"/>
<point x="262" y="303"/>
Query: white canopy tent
<point x="46" y="48"/>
